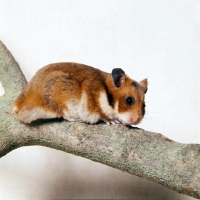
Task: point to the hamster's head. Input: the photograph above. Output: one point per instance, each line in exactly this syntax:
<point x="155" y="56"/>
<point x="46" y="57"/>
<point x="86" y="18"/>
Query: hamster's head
<point x="129" y="97"/>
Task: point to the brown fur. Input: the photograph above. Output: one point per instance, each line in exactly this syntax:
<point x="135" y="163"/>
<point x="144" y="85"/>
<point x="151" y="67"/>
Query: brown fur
<point x="55" y="85"/>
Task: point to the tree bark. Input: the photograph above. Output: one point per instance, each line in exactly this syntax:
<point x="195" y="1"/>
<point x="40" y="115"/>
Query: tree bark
<point x="136" y="151"/>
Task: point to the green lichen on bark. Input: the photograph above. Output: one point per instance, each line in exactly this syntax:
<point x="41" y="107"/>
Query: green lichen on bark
<point x="136" y="151"/>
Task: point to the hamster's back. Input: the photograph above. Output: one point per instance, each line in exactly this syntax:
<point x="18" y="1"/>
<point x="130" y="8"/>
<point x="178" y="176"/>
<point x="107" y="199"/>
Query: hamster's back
<point x="53" y="85"/>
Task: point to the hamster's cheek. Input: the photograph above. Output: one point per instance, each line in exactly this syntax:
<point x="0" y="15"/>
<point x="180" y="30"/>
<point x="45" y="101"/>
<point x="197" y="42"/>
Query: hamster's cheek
<point x="129" y="118"/>
<point x="124" y="117"/>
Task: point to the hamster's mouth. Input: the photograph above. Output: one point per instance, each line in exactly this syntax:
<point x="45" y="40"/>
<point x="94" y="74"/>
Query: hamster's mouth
<point x="131" y="122"/>
<point x="129" y="118"/>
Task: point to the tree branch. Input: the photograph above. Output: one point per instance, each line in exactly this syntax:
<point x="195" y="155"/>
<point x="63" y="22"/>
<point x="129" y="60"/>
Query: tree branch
<point x="136" y="151"/>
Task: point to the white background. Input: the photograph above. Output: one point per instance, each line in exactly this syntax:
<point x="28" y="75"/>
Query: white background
<point x="156" y="39"/>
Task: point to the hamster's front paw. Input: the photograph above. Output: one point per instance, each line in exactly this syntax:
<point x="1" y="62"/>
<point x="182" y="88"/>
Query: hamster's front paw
<point x="114" y="122"/>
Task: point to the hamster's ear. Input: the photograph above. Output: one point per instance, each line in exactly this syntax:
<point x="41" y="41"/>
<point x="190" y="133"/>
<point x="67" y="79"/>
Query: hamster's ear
<point x="144" y="84"/>
<point x="118" y="76"/>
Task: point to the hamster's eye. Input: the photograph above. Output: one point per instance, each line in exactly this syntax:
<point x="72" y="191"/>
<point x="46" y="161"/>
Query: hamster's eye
<point x="130" y="101"/>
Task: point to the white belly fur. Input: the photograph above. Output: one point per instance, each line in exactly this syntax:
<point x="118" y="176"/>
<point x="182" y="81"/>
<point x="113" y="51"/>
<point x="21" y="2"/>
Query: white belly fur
<point x="77" y="111"/>
<point x="106" y="108"/>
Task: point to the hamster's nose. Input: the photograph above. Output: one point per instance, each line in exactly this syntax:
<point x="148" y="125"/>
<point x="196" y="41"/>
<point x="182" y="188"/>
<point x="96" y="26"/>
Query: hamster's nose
<point x="135" y="120"/>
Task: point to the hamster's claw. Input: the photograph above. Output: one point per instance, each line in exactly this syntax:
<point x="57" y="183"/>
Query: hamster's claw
<point x="113" y="122"/>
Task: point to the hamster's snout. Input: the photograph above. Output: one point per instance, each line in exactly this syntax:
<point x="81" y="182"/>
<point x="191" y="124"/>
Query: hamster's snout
<point x="129" y="118"/>
<point x="135" y="120"/>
